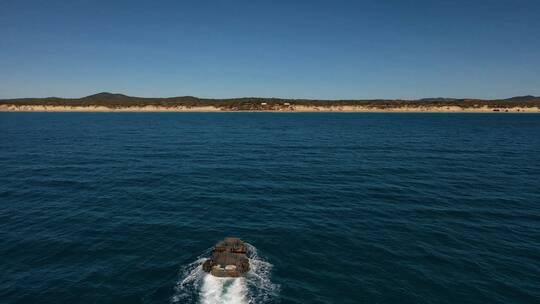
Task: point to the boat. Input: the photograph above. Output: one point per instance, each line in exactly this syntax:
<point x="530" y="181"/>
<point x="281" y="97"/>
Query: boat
<point x="228" y="259"/>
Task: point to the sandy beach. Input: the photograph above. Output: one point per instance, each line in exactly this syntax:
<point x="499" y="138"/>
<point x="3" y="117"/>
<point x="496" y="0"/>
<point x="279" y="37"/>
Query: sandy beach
<point x="292" y="108"/>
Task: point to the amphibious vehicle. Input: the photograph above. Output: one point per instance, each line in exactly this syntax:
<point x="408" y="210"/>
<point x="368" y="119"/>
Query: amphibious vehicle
<point x="229" y="259"/>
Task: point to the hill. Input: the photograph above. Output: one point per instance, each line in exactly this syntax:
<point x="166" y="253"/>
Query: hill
<point x="115" y="100"/>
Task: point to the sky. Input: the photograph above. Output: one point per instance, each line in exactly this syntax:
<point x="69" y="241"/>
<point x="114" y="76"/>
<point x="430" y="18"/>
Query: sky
<point x="291" y="49"/>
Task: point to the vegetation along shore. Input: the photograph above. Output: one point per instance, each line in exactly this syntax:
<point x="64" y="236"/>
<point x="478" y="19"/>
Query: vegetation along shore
<point x="108" y="102"/>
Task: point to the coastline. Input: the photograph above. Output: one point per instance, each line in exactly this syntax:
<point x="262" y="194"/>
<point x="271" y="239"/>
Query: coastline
<point x="295" y="108"/>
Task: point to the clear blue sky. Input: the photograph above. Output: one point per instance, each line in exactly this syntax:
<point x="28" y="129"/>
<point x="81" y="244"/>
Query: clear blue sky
<point x="300" y="49"/>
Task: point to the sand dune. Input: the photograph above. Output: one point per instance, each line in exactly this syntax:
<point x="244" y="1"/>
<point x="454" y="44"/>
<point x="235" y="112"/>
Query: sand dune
<point x="293" y="108"/>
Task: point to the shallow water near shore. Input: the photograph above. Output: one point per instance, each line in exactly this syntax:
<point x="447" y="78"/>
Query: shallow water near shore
<point x="339" y="207"/>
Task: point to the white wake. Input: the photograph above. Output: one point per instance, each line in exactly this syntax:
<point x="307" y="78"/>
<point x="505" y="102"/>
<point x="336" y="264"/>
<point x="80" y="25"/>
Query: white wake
<point x="196" y="286"/>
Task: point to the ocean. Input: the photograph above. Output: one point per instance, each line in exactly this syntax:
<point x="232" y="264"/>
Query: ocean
<point x="336" y="207"/>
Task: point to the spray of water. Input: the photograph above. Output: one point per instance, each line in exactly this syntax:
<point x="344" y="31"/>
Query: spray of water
<point x="196" y="286"/>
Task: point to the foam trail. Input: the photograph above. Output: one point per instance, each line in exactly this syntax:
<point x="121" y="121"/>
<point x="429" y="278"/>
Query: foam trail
<point x="196" y="286"/>
<point x="223" y="291"/>
<point x="185" y="290"/>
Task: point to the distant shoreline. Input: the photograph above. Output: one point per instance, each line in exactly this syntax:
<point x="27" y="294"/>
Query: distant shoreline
<point x="281" y="109"/>
<point x="108" y="102"/>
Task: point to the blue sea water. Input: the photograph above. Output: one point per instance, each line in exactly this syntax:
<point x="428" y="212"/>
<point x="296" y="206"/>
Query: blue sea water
<point x="337" y="208"/>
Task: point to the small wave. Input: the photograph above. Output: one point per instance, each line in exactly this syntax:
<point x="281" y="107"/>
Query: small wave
<point x="196" y="286"/>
